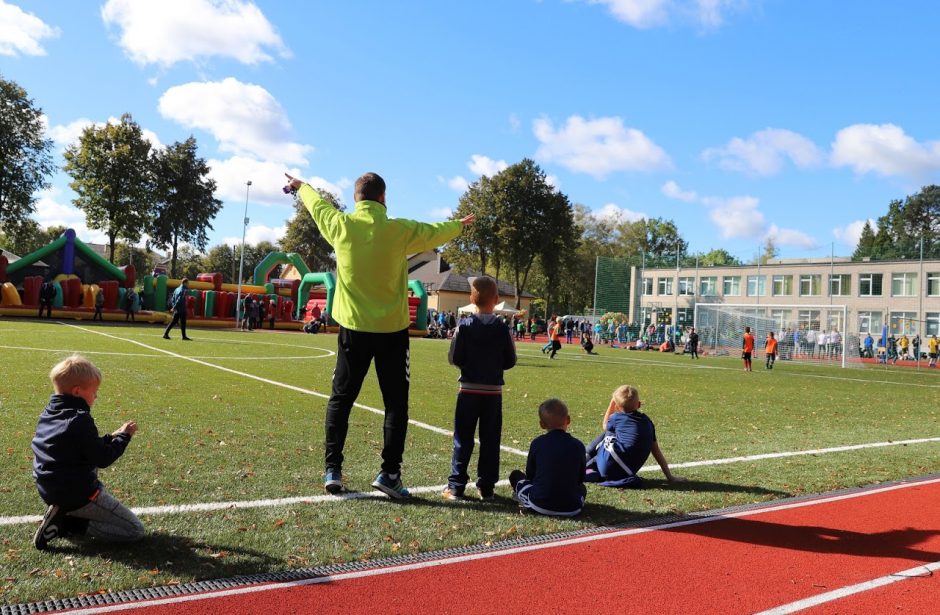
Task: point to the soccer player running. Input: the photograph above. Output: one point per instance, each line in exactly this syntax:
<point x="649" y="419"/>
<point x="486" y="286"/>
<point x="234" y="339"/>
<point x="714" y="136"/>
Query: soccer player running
<point x="371" y="307"/>
<point x="747" y="348"/>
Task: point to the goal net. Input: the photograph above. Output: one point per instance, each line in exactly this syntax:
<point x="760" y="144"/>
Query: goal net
<point x="612" y="292"/>
<point x="808" y="333"/>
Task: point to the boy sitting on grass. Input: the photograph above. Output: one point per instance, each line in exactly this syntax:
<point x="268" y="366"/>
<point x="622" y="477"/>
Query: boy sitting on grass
<point x="629" y="436"/>
<point x="553" y="481"/>
<point x="68" y="452"/>
<point x="482" y="348"/>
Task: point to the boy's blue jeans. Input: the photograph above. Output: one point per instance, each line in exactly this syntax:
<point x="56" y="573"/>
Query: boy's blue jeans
<point x="487" y="410"/>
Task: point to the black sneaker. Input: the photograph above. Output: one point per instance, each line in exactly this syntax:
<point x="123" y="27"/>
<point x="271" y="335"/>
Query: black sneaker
<point x="487" y="493"/>
<point x="453" y="493"/>
<point x="50" y="528"/>
<point x="333" y="483"/>
<point x="514" y="477"/>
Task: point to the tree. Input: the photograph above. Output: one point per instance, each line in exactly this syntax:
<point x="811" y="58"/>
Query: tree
<point x="716" y="258"/>
<point x="866" y="243"/>
<point x="222" y="259"/>
<point x="656" y="238"/>
<point x="141" y="258"/>
<point x="25" y="156"/>
<point x="185" y="201"/>
<point x="907" y="222"/>
<point x="304" y="238"/>
<point x="112" y="175"/>
<point x="768" y="252"/>
<point x="479" y="247"/>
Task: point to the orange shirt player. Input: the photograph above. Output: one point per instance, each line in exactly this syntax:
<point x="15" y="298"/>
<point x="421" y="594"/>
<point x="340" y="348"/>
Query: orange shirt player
<point x="748" y="348"/>
<point x="770" y="348"/>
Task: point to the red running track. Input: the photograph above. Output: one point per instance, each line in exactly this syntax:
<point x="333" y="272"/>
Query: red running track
<point x="747" y="562"/>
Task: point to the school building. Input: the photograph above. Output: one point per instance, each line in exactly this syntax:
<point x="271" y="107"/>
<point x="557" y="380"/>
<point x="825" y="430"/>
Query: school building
<point x="904" y="294"/>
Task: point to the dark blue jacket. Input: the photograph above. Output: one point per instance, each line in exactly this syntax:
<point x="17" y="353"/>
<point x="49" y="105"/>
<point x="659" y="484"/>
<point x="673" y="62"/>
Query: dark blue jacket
<point x="482" y="348"/>
<point x="68" y="452"/>
<point x="556" y="468"/>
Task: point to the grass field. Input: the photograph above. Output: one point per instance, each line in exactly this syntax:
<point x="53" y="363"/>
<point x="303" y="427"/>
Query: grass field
<point x="218" y="435"/>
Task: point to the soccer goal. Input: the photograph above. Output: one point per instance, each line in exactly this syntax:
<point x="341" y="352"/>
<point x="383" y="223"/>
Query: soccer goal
<point x="810" y="333"/>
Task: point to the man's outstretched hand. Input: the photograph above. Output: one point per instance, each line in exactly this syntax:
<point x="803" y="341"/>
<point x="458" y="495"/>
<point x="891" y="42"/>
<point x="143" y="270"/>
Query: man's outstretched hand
<point x="293" y="182"/>
<point x="468" y="220"/>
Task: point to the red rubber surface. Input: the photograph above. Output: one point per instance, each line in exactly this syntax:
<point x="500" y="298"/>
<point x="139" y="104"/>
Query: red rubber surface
<point x="734" y="565"/>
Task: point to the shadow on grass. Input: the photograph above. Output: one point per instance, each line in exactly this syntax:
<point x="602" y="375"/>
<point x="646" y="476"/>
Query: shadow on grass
<point x="178" y="556"/>
<point x="711" y="487"/>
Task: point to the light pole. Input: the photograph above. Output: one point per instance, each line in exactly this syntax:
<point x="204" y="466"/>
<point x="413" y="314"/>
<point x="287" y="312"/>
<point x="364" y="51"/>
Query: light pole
<point x="241" y="262"/>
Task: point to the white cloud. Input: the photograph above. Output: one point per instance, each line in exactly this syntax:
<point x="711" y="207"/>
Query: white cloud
<point x="51" y="212"/>
<point x="652" y="13"/>
<point x="765" y="152"/>
<point x="791" y="238"/>
<point x="457" y="183"/>
<point x="672" y="190"/>
<point x="441" y="213"/>
<point x="256" y="233"/>
<point x="514" y="123"/>
<point x="598" y="147"/>
<point x="64" y="135"/>
<point x="482" y="165"/>
<point x="736" y="217"/>
<point x="172" y="31"/>
<point x="267" y="180"/>
<point x="884" y="149"/>
<point x="851" y="232"/>
<point x="614" y="213"/>
<point x="21" y="33"/>
<point x="245" y="119"/>
<point x="553" y="181"/>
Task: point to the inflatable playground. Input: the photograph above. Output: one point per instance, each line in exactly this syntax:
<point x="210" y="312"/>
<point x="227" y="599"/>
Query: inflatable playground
<point x="77" y="273"/>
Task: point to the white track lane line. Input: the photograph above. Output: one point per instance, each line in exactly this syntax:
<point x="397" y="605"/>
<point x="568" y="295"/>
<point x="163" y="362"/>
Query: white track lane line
<point x="609" y="535"/>
<point x="849" y="590"/>
<point x="283" y="385"/>
<point x="313" y="499"/>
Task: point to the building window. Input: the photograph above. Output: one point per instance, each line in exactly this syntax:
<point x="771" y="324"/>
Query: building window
<point x="903" y="323"/>
<point x="732" y="286"/>
<point x="810" y="285"/>
<point x="781" y="318"/>
<point x="904" y="285"/>
<point x="869" y="322"/>
<point x="686" y="286"/>
<point x="932" y="325"/>
<point x="809" y="319"/>
<point x="647" y="286"/>
<point x="686" y="316"/>
<point x="933" y="284"/>
<point x="756" y="286"/>
<point x="869" y="285"/>
<point x="840" y="285"/>
<point x="782" y="285"/>
<point x="665" y="286"/>
<point x="708" y="287"/>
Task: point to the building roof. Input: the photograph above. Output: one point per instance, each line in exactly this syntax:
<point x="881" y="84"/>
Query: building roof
<point x="437" y="276"/>
<point x="12" y="258"/>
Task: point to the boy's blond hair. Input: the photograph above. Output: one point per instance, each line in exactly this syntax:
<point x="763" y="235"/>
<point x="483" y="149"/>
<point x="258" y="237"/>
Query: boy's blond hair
<point x="552" y="413"/>
<point x="75" y="371"/>
<point x="483" y="290"/>
<point x="626" y="397"/>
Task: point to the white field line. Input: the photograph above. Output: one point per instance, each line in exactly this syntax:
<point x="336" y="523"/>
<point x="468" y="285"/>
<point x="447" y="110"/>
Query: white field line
<point x="283" y="385"/>
<point x="164" y="356"/>
<point x="315" y="499"/>
<point x="490" y="554"/>
<point x="849" y="590"/>
<point x="697" y="365"/>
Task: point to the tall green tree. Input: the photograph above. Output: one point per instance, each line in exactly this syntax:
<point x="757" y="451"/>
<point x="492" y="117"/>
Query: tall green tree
<point x="656" y="238"/>
<point x="768" y="252"/>
<point x="304" y="238"/>
<point x="112" y="174"/>
<point x="714" y="258"/>
<point x="866" y="243"/>
<point x="25" y="156"/>
<point x="479" y="247"/>
<point x="907" y="222"/>
<point x="141" y="258"/>
<point x="185" y="199"/>
<point x="222" y="259"/>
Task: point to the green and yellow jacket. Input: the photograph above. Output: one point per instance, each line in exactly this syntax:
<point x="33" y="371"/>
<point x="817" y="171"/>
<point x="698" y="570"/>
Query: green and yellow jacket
<point x="371" y="260"/>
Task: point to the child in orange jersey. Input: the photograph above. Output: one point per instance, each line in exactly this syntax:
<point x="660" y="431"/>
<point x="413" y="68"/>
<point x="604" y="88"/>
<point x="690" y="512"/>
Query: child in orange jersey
<point x="770" y="348"/>
<point x="747" y="348"/>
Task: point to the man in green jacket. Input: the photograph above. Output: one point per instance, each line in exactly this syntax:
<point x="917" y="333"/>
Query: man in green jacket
<point x="371" y="307"/>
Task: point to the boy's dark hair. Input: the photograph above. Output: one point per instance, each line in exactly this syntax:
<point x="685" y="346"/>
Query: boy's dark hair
<point x="553" y="412"/>
<point x="482" y="290"/>
<point x="369" y="187"/>
<point x="747" y="329"/>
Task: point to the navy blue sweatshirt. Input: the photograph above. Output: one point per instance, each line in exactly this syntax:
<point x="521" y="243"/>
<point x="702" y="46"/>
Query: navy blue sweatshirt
<point x="68" y="452"/>
<point x="482" y="348"/>
<point x="556" y="468"/>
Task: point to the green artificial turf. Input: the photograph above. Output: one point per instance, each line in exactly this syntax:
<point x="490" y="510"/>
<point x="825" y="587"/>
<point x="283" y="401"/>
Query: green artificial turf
<point x="208" y="435"/>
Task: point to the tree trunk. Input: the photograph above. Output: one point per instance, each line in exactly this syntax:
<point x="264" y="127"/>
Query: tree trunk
<point x="173" y="257"/>
<point x="112" y="238"/>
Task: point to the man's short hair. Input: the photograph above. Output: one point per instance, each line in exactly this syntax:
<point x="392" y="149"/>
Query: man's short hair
<point x="75" y="371"/>
<point x="184" y="281"/>
<point x="552" y="412"/>
<point x="369" y="187"/>
<point x="626" y="396"/>
<point x="483" y="290"/>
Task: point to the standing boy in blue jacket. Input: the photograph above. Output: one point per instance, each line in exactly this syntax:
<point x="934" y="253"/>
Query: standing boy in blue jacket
<point x="68" y="452"/>
<point x="482" y="348"/>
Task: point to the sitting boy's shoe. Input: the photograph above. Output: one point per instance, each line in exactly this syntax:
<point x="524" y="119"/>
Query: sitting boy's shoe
<point x="514" y="477"/>
<point x="52" y="527"/>
<point x="391" y="487"/>
<point x="453" y="493"/>
<point x="487" y="494"/>
<point x="333" y="483"/>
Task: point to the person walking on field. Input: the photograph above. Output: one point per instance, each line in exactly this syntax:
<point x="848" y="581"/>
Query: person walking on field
<point x="747" y="348"/>
<point x="371" y="307"/>
<point x="178" y="305"/>
<point x="770" y="349"/>
<point x="693" y="343"/>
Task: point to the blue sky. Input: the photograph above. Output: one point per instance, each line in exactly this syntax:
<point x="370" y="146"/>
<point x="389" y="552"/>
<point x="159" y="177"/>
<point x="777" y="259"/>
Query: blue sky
<point x="738" y="119"/>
